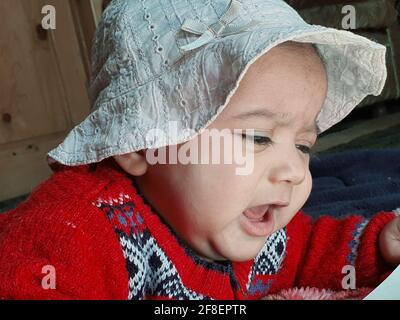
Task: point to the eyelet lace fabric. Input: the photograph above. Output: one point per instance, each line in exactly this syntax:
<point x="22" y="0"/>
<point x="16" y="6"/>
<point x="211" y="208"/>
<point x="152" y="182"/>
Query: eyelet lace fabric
<point x="152" y="70"/>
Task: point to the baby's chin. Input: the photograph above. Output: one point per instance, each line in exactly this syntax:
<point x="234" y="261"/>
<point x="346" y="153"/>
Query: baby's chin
<point x="236" y="252"/>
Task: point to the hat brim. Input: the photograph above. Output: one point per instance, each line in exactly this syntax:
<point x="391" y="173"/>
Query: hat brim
<point x="193" y="92"/>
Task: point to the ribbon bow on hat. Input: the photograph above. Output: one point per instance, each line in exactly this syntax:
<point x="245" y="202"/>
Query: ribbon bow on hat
<point x="222" y="27"/>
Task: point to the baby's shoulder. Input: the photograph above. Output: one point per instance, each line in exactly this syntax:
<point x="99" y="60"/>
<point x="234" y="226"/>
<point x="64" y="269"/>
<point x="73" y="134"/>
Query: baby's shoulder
<point x="60" y="226"/>
<point x="69" y="199"/>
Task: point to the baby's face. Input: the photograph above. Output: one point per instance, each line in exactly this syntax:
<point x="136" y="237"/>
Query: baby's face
<point x="223" y="215"/>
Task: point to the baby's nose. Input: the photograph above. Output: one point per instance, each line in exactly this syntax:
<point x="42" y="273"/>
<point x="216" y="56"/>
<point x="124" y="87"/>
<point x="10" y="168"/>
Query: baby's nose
<point x="288" y="168"/>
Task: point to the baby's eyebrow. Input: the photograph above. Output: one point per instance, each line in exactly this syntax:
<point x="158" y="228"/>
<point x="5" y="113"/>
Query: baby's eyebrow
<point x="280" y="117"/>
<point x="313" y="128"/>
<point x="263" y="113"/>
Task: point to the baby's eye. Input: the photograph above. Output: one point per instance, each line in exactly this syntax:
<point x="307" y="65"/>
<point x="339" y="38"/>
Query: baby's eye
<point x="263" y="141"/>
<point x="260" y="140"/>
<point x="304" y="149"/>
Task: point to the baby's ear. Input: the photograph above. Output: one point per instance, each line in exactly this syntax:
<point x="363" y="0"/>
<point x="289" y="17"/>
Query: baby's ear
<point x="134" y="163"/>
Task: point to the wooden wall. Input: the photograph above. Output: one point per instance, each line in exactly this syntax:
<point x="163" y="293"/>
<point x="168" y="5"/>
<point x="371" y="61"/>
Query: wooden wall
<point x="43" y="85"/>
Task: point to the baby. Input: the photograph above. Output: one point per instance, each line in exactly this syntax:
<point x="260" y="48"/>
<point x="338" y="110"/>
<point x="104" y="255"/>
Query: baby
<point x="111" y="223"/>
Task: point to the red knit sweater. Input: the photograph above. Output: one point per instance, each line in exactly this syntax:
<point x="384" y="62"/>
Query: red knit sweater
<point x="104" y="241"/>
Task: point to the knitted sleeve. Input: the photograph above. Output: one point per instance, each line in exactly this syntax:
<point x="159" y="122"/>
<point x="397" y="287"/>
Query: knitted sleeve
<point x="323" y="253"/>
<point x="60" y="250"/>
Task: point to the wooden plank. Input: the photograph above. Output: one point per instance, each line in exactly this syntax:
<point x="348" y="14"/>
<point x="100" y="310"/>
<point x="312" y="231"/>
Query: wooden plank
<point x="23" y="164"/>
<point x="85" y="21"/>
<point x="71" y="61"/>
<point x="98" y="9"/>
<point x="394" y="37"/>
<point x="365" y="127"/>
<point x="46" y="85"/>
<point x="31" y="93"/>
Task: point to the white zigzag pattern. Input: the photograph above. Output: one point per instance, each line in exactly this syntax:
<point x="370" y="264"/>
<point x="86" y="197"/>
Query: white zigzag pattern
<point x="268" y="261"/>
<point x="162" y="281"/>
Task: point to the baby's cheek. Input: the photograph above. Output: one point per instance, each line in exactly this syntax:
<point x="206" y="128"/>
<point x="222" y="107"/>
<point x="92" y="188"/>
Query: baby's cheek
<point x="304" y="189"/>
<point x="301" y="192"/>
<point x="308" y="184"/>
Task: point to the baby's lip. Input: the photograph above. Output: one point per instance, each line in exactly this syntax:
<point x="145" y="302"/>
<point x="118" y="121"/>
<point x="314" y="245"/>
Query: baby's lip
<point x="258" y="212"/>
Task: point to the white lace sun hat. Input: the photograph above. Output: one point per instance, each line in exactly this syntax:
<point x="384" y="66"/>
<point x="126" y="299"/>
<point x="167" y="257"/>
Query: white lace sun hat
<point x="160" y="62"/>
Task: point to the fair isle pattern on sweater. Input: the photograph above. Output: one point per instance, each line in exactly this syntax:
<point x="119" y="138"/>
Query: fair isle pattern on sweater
<point x="267" y="262"/>
<point x="151" y="271"/>
<point x="353" y="245"/>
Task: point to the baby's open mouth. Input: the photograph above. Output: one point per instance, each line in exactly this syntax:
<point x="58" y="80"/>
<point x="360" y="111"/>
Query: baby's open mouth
<point x="258" y="221"/>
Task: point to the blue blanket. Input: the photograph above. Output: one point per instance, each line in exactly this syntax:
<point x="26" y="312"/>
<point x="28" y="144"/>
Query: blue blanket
<point x="354" y="182"/>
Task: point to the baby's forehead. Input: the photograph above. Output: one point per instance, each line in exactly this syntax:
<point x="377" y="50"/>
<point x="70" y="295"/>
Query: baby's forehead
<point x="255" y="106"/>
<point x="301" y="52"/>
<point x="285" y="68"/>
<point x="277" y="86"/>
<point x="266" y="115"/>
